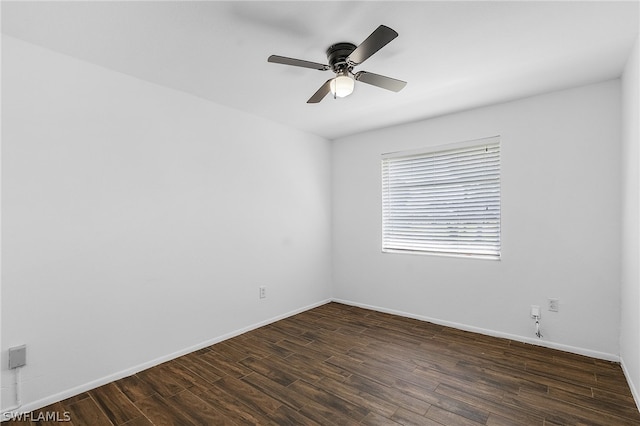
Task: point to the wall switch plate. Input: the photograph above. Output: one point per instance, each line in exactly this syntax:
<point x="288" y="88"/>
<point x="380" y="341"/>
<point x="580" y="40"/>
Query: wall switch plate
<point x="554" y="305"/>
<point x="17" y="356"/>
<point x="263" y="292"/>
<point x="535" y="311"/>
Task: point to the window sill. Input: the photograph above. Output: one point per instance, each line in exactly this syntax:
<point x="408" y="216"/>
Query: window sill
<point x="443" y="254"/>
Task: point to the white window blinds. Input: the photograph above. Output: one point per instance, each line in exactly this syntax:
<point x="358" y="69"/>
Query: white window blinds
<point x="445" y="201"/>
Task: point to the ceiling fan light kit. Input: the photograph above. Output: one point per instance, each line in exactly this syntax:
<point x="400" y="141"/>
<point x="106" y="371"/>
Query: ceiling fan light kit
<point x="343" y="57"/>
<point x="342" y="85"/>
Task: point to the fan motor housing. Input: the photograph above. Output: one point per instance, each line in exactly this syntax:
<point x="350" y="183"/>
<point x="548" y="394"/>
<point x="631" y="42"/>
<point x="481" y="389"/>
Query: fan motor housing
<point x="337" y="55"/>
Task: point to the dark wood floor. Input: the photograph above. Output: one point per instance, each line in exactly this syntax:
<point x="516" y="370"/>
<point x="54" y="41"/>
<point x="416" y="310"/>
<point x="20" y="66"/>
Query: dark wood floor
<point x="341" y="365"/>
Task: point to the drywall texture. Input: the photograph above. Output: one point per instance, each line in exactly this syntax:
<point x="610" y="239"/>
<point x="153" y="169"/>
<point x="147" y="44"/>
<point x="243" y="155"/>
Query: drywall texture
<point x="560" y="168"/>
<point x="139" y="221"/>
<point x="630" y="309"/>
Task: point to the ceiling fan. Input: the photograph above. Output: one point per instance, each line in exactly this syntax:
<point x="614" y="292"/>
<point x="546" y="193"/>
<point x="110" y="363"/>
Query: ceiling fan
<point x="343" y="57"/>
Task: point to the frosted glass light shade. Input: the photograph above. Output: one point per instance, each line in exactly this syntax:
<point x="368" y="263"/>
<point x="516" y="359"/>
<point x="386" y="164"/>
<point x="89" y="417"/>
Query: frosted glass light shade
<point x="342" y="85"/>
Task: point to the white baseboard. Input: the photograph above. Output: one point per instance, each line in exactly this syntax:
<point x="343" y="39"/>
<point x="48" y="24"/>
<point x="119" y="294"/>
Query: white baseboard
<point x="634" y="391"/>
<point x="27" y="408"/>
<point x="487" y="332"/>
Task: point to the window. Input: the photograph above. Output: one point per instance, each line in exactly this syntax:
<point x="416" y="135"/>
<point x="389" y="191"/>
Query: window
<point x="444" y="201"/>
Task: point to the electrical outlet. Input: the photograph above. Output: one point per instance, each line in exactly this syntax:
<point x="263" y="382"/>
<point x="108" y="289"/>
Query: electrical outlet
<point x="263" y="292"/>
<point x="17" y="356"/>
<point x="535" y="311"/>
<point x="554" y="305"/>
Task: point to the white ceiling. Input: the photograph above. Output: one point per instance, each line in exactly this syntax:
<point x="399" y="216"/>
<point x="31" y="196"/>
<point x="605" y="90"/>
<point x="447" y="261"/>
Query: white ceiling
<point x="454" y="55"/>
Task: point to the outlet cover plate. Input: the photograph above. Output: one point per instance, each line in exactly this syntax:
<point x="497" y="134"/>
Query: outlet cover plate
<point x="17" y="356"/>
<point x="535" y="311"/>
<point x="554" y="305"/>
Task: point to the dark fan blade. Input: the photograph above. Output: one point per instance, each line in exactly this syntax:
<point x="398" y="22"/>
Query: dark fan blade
<point x="321" y="93"/>
<point x="376" y="41"/>
<point x="380" y="81"/>
<point x="297" y="63"/>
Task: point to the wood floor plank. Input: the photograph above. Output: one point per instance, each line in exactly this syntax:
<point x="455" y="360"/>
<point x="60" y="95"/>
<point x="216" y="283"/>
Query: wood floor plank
<point x="229" y="351"/>
<point x="290" y="329"/>
<point x="382" y="358"/>
<point x="336" y="341"/>
<point x="231" y="406"/>
<point x="492" y="405"/>
<point x="199" y="367"/>
<point x="616" y="399"/>
<point x="183" y="376"/>
<point x="374" y="419"/>
<point x="497" y="374"/>
<point x="325" y="415"/>
<point x="497" y="420"/>
<point x="612" y="381"/>
<point x="277" y="391"/>
<point x="297" y="401"/>
<point x="138" y="421"/>
<point x="355" y="396"/>
<point x="273" y="334"/>
<point x="135" y="388"/>
<point x="223" y="366"/>
<point x="76" y="398"/>
<point x="87" y="413"/>
<point x="250" y="346"/>
<point x="273" y="368"/>
<point x="409" y="418"/>
<point x="388" y="393"/>
<point x="197" y="410"/>
<point x="627" y="411"/>
<point x="286" y="416"/>
<point x="251" y="397"/>
<point x="454" y="378"/>
<point x="564" y="412"/>
<point x="330" y="400"/>
<point x="453" y="406"/>
<point x="343" y="365"/>
<point x="358" y="368"/>
<point x="305" y="321"/>
<point x="160" y="412"/>
<point x="315" y="369"/>
<point x="160" y="382"/>
<point x="312" y="350"/>
<point x="115" y="404"/>
<point x="562" y="372"/>
<point x="388" y="335"/>
<point x="402" y="373"/>
<point x="448" y="418"/>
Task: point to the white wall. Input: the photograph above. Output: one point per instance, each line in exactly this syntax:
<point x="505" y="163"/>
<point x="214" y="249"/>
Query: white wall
<point x="560" y="223"/>
<point x="138" y="222"/>
<point x="630" y="293"/>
